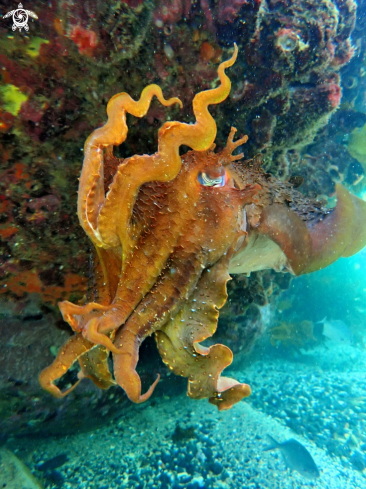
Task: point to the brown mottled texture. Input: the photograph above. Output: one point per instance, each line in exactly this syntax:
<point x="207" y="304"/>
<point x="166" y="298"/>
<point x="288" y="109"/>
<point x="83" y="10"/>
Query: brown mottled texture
<point x="154" y="276"/>
<point x="169" y="231"/>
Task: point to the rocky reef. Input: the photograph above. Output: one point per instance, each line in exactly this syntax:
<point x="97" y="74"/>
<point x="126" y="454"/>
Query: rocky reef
<point x="296" y="94"/>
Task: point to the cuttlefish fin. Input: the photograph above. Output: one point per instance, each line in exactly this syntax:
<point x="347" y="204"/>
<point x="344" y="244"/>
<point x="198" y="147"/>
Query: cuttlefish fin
<point x="179" y="342"/>
<point x="341" y="233"/>
<point x="289" y="231"/>
<point x="310" y="247"/>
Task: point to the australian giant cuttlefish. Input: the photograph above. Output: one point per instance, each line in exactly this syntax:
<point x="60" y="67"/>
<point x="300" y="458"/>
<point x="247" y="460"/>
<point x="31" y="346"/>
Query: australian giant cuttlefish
<point x="168" y="230"/>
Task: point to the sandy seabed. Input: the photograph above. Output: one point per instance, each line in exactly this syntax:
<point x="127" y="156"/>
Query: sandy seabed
<point x="176" y="442"/>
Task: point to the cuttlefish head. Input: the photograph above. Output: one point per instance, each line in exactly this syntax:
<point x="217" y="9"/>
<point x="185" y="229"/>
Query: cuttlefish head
<point x="201" y="223"/>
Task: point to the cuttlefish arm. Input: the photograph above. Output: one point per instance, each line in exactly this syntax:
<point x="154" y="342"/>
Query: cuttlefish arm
<point x="93" y="360"/>
<point x="179" y="342"/>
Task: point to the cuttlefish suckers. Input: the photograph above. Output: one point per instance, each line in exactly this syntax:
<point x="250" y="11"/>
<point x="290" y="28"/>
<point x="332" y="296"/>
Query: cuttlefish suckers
<point x="289" y="232"/>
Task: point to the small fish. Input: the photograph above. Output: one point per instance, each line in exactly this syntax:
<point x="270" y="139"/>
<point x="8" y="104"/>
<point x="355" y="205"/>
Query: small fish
<point x="337" y="331"/>
<point x="53" y="463"/>
<point x="296" y="457"/>
<point x="296" y="181"/>
<point x="284" y="305"/>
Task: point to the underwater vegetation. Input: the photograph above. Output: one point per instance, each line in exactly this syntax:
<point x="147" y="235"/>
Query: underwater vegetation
<point x="168" y="230"/>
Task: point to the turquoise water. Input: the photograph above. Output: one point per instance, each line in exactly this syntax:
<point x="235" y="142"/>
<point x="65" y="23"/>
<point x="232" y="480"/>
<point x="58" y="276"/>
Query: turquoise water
<point x="337" y="292"/>
<point x="167" y="241"/>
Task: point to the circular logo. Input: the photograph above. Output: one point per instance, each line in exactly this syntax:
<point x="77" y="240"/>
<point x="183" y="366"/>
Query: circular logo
<point x="20" y="19"/>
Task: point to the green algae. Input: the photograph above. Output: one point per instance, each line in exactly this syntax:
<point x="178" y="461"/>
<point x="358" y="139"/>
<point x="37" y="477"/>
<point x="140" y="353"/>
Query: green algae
<point x="12" y="98"/>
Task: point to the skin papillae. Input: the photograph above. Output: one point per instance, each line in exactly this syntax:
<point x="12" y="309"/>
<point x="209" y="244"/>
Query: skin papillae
<point x="167" y="231"/>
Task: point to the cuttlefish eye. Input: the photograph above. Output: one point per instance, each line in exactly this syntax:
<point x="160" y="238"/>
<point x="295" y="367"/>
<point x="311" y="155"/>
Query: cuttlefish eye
<point x="213" y="177"/>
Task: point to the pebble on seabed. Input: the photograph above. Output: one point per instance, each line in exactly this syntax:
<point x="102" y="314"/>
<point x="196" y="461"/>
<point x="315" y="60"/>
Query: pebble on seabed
<point x="181" y="443"/>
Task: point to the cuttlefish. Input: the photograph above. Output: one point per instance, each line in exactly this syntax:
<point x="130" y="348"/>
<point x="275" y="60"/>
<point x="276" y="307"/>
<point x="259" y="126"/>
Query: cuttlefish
<point x="168" y="230"/>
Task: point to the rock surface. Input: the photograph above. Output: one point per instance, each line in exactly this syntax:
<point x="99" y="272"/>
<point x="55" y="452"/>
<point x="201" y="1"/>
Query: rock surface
<point x="14" y="474"/>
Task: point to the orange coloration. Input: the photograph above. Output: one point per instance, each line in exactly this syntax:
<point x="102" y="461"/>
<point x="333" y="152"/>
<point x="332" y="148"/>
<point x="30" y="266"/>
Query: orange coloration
<point x="85" y="39"/>
<point x="73" y="283"/>
<point x="4" y="127"/>
<point x="19" y="172"/>
<point x="167" y="231"/>
<point x="58" y="25"/>
<point x="7" y="231"/>
<point x="24" y="282"/>
<point x="28" y="282"/>
<point x="207" y="51"/>
<point x="3" y="204"/>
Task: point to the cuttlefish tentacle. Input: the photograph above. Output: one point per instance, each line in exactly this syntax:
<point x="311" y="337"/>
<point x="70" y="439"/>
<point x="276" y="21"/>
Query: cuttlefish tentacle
<point x="114" y="132"/>
<point x="67" y="355"/>
<point x="163" y="166"/>
<point x="163" y="301"/>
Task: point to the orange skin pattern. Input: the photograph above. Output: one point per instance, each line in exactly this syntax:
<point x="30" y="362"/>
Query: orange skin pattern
<point x="139" y="291"/>
<point x="164" y="234"/>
